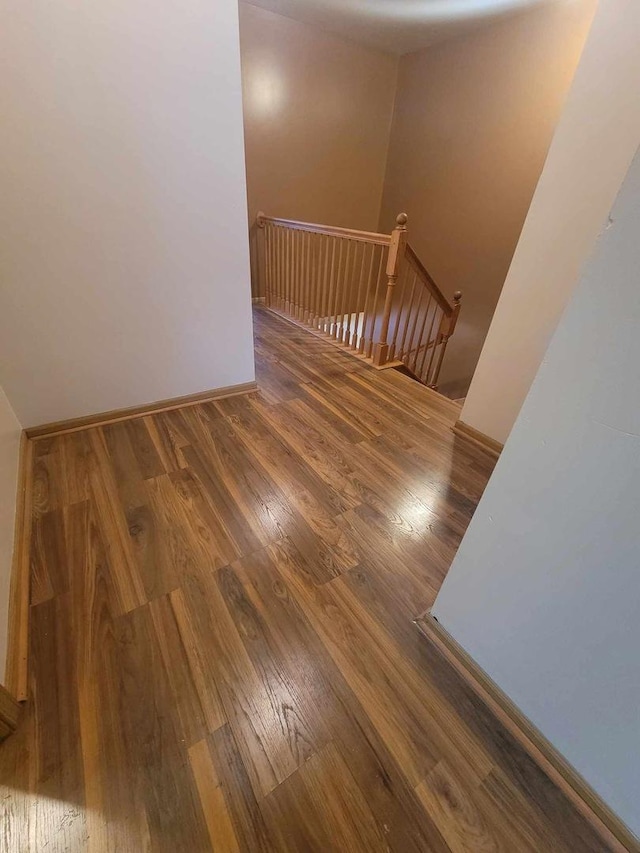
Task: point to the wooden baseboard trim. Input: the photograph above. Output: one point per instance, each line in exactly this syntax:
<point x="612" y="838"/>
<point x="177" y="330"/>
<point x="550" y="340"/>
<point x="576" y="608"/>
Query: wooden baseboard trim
<point x="9" y="713"/>
<point x="103" y="418"/>
<point x="612" y="830"/>
<point x="479" y="439"/>
<point x="16" y="670"/>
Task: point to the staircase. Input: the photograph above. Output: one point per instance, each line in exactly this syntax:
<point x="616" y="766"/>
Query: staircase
<point x="368" y="292"/>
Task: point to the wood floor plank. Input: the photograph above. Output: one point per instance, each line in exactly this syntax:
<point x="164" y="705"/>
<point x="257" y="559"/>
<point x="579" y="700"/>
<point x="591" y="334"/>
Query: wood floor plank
<point x="394" y="804"/>
<point x="18" y="801"/>
<point x="202" y="670"/>
<point x="214" y="806"/>
<point x="322" y="808"/>
<point x="223" y="648"/>
<point x="248" y="822"/>
<point x="259" y="707"/>
<point x="155" y="741"/>
<point x="452" y="805"/>
<point x="75" y="465"/>
<point x="304" y="728"/>
<point x="144" y="449"/>
<point x="183" y="691"/>
<point x="189" y="509"/>
<point x="48" y="566"/>
<point x="59" y="775"/>
<point x="366" y="674"/>
<point x="111" y="519"/>
<point x="116" y="819"/>
<point x="167" y="440"/>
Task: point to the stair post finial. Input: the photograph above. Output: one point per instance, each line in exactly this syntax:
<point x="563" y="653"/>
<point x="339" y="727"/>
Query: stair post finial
<point x="260" y="219"/>
<point x="401" y="221"/>
<point x="457" y="296"/>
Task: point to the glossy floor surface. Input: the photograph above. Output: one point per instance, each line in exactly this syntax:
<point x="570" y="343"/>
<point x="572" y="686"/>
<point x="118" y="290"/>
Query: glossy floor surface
<point x="222" y="648"/>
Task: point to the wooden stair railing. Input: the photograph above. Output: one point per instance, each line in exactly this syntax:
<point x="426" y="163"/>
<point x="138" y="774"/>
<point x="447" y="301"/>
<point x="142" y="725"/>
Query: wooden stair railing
<point x="368" y="292"/>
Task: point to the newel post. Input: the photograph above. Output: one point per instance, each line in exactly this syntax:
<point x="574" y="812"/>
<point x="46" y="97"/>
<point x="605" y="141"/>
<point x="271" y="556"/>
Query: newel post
<point x="457" y="296"/>
<point x="396" y="253"/>
<point x="260" y="285"/>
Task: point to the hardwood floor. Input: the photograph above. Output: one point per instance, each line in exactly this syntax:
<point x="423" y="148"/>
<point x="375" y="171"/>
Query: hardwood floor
<point x="222" y="648"/>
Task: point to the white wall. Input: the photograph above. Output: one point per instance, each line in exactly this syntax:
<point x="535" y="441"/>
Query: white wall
<point x="124" y="269"/>
<point x="545" y="590"/>
<point x="591" y="150"/>
<point x="9" y="454"/>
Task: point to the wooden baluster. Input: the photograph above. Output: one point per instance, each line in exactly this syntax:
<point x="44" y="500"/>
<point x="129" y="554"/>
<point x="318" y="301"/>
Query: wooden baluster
<point x="407" y="318"/>
<point x="280" y="282"/>
<point x="294" y="273"/>
<point x="405" y="292"/>
<point x="285" y="269"/>
<point x="312" y="288"/>
<point x="415" y="313"/>
<point x="332" y="284"/>
<point x="344" y="288"/>
<point x="451" y="325"/>
<point x="276" y="266"/>
<point x="374" y="306"/>
<point x="326" y="287"/>
<point x="354" y="299"/>
<point x="303" y="266"/>
<point x="300" y="266"/>
<point x="305" y="278"/>
<point x="268" y="247"/>
<point x="368" y="284"/>
<point x="356" y="305"/>
<point x="319" y="244"/>
<point x="396" y="252"/>
<point x="351" y="295"/>
<point x="336" y="291"/>
<point x="420" y="340"/>
<point x="323" y="261"/>
<point x="435" y="337"/>
<point x="428" y="350"/>
<point x="309" y="292"/>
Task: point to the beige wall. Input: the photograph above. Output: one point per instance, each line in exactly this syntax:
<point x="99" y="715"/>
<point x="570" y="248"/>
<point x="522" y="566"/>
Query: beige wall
<point x="472" y="125"/>
<point x="591" y="150"/>
<point x="317" y="114"/>
<point x="124" y="263"/>
<point x="9" y="450"/>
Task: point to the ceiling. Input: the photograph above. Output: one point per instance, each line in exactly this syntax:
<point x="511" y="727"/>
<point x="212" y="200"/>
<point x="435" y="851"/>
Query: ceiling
<point x="396" y="26"/>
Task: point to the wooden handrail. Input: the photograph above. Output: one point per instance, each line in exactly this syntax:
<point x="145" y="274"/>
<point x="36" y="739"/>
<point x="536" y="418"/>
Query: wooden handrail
<point x="430" y="283"/>
<point x="369" y="292"/>
<point x="329" y="230"/>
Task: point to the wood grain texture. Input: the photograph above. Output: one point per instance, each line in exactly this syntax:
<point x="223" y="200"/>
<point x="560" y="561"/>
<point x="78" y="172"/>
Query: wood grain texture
<point x="16" y="666"/>
<point x="223" y="652"/>
<point x="9" y="712"/>
<point x="547" y="757"/>
<point x="127" y="414"/>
